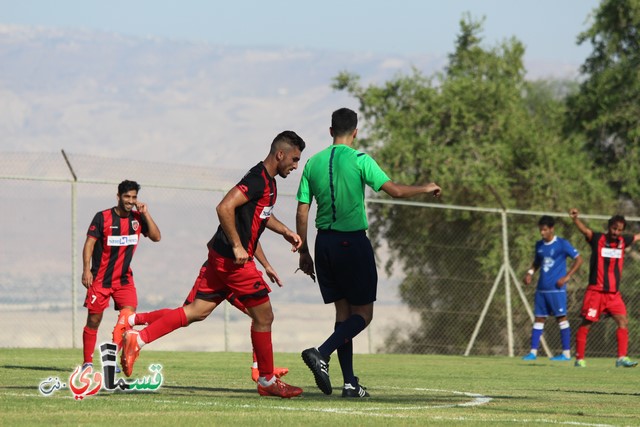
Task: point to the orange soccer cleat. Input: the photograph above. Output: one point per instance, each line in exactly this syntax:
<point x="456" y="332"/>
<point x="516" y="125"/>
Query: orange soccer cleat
<point x="130" y="351"/>
<point x="279" y="389"/>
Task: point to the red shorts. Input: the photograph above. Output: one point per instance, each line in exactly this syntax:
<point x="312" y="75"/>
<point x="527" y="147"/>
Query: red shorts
<point x="223" y="279"/>
<point x="597" y="303"/>
<point x="97" y="299"/>
<point x="216" y="297"/>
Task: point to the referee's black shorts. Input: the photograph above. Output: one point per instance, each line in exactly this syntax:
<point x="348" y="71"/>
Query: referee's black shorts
<point x="346" y="267"/>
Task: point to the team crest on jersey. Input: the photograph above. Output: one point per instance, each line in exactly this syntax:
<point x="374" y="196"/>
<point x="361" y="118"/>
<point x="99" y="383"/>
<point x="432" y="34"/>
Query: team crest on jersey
<point x="135" y="224"/>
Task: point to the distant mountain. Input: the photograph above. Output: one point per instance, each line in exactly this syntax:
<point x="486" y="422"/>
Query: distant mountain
<point x="169" y="101"/>
<point x="105" y="94"/>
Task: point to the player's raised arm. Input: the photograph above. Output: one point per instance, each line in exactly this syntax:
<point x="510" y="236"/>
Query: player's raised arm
<point x="588" y="233"/>
<point x="153" y="232"/>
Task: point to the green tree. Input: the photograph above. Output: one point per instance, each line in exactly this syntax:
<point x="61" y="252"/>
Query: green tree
<point x="607" y="106"/>
<point x="490" y="139"/>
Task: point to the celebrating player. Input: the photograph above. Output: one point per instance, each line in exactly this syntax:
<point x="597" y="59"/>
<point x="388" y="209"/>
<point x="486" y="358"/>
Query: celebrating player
<point x="111" y="241"/>
<point x="603" y="292"/>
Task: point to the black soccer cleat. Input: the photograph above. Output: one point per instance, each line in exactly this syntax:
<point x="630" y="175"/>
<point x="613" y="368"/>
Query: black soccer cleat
<point x="356" y="390"/>
<point x="320" y="368"/>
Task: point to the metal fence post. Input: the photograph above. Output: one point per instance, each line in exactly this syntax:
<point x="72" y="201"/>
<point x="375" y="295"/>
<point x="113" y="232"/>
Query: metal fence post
<point x="74" y="252"/>
<point x="507" y="282"/>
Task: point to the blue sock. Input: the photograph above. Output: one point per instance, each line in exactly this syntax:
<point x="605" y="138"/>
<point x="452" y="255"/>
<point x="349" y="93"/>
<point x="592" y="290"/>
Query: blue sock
<point x="565" y="335"/>
<point x="343" y="334"/>
<point x="536" y="334"/>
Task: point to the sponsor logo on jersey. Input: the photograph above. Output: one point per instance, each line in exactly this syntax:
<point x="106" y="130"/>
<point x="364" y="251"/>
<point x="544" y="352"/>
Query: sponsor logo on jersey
<point x="122" y="240"/>
<point x="611" y="253"/>
<point x="266" y="212"/>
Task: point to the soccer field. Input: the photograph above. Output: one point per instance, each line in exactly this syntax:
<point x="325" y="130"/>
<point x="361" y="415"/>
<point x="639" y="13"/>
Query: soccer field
<point x="210" y="388"/>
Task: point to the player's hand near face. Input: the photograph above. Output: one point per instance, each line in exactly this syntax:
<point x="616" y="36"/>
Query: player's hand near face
<point x="142" y="207"/>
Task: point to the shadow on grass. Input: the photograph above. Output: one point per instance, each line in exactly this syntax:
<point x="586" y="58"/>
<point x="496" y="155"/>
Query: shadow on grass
<point x="596" y="392"/>
<point x="37" y="368"/>
<point x="191" y="390"/>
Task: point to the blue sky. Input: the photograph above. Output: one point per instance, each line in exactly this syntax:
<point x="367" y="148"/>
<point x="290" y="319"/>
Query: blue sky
<point x="548" y="28"/>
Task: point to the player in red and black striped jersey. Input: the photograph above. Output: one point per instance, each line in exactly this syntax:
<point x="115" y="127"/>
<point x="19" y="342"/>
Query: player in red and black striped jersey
<point x="244" y="213"/>
<point x="111" y="241"/>
<point x="603" y="292"/>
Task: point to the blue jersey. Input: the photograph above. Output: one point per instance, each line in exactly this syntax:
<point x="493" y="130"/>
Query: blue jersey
<point x="551" y="260"/>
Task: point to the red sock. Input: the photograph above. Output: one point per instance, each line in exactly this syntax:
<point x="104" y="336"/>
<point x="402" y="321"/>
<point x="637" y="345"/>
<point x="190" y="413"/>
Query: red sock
<point x="622" y="334"/>
<point x="172" y="320"/>
<point x="581" y="341"/>
<point x="152" y="316"/>
<point x="264" y="352"/>
<point x="89" y="338"/>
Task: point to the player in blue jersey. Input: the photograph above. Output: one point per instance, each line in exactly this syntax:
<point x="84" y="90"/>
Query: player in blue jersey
<point x="550" y="259"/>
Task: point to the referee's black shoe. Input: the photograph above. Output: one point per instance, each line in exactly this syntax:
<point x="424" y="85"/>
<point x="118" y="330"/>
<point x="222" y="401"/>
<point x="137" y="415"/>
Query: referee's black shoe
<point x="350" y="390"/>
<point x="320" y="368"/>
<point x="354" y="390"/>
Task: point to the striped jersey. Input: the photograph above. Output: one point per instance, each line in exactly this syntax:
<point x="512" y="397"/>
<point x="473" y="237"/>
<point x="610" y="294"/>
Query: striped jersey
<point x="607" y="260"/>
<point x="251" y="218"/>
<point x="116" y="242"/>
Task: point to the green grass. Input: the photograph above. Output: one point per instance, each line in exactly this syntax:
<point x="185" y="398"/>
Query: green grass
<point x="203" y="389"/>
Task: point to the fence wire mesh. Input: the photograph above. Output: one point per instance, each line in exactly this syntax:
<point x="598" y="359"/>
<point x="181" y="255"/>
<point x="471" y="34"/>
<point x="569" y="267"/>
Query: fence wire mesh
<point x="450" y="276"/>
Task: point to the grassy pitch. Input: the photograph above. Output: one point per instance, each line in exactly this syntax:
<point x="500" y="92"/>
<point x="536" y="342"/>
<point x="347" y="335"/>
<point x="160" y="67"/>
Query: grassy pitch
<point x="203" y="389"/>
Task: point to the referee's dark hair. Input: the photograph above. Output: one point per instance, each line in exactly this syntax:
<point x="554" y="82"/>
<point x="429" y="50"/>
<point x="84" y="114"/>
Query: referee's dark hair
<point x="343" y="122"/>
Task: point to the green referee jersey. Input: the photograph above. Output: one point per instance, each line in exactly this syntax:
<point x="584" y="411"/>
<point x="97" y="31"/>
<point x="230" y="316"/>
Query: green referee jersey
<point x="336" y="178"/>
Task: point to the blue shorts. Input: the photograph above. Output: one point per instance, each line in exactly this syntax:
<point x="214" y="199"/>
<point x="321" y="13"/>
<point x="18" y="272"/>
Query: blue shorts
<point x="346" y="267"/>
<point x="552" y="303"/>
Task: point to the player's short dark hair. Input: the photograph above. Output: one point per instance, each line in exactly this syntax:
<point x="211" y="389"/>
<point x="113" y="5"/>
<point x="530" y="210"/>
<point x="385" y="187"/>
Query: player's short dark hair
<point x="127" y="185"/>
<point x="546" y="220"/>
<point x="287" y="137"/>
<point x="617" y="218"/>
<point x="343" y="122"/>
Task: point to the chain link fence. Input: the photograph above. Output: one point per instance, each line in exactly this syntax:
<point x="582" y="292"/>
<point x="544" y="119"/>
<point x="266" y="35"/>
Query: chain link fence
<point x="450" y="276"/>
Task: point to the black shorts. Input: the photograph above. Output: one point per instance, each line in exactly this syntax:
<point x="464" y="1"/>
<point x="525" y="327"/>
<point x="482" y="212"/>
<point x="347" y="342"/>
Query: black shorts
<point x="346" y="267"/>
